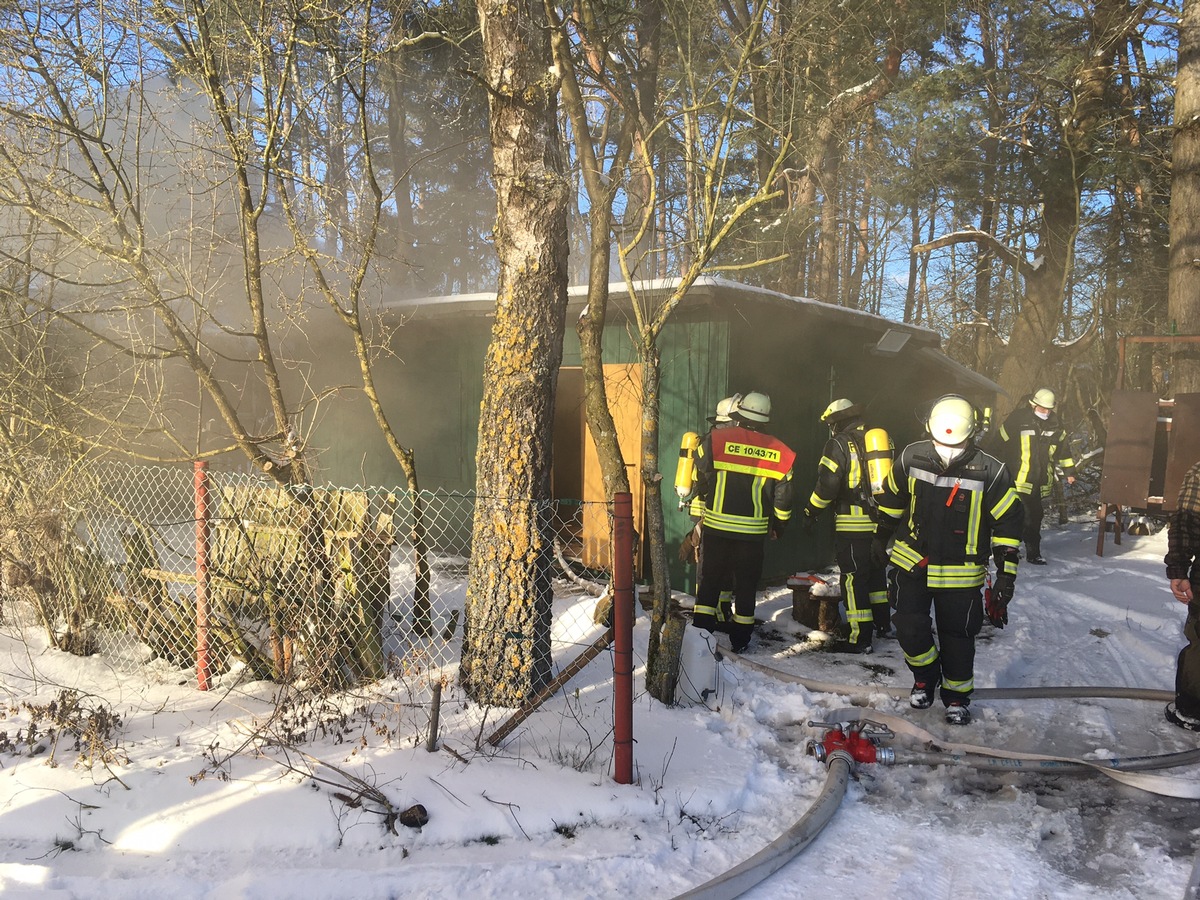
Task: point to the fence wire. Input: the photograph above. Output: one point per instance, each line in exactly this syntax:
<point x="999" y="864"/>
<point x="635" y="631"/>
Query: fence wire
<point x="352" y="592"/>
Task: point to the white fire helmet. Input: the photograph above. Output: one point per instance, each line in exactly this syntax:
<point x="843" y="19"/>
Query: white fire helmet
<point x="951" y="420"/>
<point x="1043" y="397"/>
<point x="726" y="408"/>
<point x="754" y="407"/>
<point x="832" y="411"/>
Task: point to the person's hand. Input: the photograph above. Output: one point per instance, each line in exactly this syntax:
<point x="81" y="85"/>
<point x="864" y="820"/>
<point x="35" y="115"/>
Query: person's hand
<point x="1181" y="588"/>
<point x="1070" y="479"/>
<point x="998" y="598"/>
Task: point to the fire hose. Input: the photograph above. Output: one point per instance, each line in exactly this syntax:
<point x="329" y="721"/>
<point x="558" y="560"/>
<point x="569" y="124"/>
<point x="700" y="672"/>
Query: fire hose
<point x="852" y="738"/>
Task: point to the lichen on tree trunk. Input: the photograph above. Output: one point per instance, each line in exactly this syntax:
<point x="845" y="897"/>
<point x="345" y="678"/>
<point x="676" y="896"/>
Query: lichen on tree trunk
<point x="506" y="638"/>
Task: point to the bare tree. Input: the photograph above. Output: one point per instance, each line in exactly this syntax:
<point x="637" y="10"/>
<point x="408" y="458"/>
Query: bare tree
<point x="506" y="644"/>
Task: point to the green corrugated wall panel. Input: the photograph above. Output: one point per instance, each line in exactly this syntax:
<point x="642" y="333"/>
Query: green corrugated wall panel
<point x="695" y="365"/>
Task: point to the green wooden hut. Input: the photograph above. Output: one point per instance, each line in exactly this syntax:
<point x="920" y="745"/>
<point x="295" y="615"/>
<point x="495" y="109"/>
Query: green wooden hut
<point x="724" y="337"/>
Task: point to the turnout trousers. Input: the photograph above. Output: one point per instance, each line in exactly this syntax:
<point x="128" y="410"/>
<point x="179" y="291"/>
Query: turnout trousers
<point x="958" y="612"/>
<point x="864" y="586"/>
<point x="1035" y="511"/>
<point x="727" y="558"/>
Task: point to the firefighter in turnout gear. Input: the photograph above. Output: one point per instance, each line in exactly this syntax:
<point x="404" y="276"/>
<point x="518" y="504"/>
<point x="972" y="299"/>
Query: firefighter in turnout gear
<point x="843" y="484"/>
<point x="950" y="507"/>
<point x="692" y="548"/>
<point x="744" y="477"/>
<point x="1032" y="444"/>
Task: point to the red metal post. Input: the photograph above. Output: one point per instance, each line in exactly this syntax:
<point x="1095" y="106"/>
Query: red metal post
<point x="202" y="661"/>
<point x="622" y="587"/>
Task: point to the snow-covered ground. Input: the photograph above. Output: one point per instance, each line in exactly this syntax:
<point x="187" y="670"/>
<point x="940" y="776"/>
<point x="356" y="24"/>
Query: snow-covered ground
<point x="175" y="812"/>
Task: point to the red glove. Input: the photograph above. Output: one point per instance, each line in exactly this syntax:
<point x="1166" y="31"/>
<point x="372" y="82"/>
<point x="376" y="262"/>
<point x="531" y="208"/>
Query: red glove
<point x="997" y="597"/>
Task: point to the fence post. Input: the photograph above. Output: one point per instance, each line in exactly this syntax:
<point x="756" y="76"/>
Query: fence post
<point x="202" y="662"/>
<point x="622" y="620"/>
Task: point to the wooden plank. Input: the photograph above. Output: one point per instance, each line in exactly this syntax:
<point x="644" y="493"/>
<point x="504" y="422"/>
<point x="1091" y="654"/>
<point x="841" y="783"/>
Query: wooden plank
<point x="1183" y="446"/>
<point x="1129" y="451"/>
<point x="623" y="384"/>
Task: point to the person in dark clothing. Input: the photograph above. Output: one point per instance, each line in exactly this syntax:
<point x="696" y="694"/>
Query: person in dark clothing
<point x="842" y="484"/>
<point x="744" y="478"/>
<point x="950" y="506"/>
<point x="692" y="548"/>
<point x="1183" y="570"/>
<point x="1033" y="443"/>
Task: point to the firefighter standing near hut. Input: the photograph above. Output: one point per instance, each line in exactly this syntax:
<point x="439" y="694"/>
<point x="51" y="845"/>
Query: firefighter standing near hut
<point x="691" y="548"/>
<point x="744" y="478"/>
<point x="844" y="484"/>
<point x="1033" y="443"/>
<point x="950" y="506"/>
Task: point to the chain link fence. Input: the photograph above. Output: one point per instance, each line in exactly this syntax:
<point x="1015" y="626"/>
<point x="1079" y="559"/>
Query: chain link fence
<point x="358" y="592"/>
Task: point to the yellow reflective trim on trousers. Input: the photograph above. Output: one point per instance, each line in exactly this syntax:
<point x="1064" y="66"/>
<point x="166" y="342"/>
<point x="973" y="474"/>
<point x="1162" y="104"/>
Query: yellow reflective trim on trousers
<point x="928" y="658"/>
<point x="704" y="610"/>
<point x="743" y="620"/>
<point x="962" y="687"/>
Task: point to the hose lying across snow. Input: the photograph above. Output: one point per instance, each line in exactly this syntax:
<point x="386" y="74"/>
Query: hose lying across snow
<point x="1122" y="770"/>
<point x="777" y="854"/>
<point x="783" y="849"/>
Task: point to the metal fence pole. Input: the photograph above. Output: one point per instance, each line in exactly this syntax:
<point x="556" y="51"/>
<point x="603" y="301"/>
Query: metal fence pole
<point x="202" y="661"/>
<point x="622" y="586"/>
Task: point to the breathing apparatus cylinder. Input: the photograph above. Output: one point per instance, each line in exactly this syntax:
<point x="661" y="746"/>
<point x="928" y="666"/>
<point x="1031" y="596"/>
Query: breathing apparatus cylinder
<point x="685" y="471"/>
<point x="879" y="457"/>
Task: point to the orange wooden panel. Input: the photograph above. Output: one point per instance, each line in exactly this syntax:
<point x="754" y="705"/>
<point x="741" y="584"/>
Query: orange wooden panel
<point x="623" y="384"/>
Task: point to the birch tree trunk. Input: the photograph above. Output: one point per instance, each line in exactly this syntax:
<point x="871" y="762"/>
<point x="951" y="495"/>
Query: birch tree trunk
<point x="506" y="642"/>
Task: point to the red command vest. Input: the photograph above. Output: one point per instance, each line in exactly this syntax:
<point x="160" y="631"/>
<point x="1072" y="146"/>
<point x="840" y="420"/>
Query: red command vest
<point x="751" y="453"/>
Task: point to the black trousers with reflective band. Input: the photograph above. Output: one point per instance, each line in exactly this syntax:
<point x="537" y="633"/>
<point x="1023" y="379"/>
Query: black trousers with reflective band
<point x="959" y="615"/>
<point x="728" y="558"/>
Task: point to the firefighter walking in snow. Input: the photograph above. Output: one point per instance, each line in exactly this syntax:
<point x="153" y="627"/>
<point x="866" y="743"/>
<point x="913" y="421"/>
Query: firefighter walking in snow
<point x="842" y="483"/>
<point x="1033" y="443"/>
<point x="744" y="478"/>
<point x="951" y="506"/>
